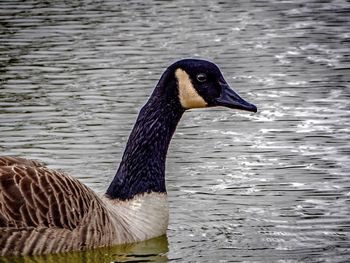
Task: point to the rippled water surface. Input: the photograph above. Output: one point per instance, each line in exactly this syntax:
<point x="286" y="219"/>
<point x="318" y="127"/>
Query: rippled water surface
<point x="267" y="187"/>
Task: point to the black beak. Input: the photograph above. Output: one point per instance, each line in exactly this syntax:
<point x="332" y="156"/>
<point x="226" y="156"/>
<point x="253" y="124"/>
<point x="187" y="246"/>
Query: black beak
<point x="231" y="99"/>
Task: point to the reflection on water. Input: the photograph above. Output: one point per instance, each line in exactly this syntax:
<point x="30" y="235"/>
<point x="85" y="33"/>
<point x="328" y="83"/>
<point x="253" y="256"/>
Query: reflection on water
<point x="272" y="186"/>
<point x="153" y="250"/>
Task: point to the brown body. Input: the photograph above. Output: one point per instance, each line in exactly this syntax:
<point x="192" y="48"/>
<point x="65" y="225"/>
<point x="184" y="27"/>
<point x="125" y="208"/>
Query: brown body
<point x="43" y="211"/>
<point x="46" y="211"/>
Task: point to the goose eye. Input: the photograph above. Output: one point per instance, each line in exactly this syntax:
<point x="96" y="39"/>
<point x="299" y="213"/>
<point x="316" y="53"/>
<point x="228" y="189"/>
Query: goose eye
<point x="201" y="77"/>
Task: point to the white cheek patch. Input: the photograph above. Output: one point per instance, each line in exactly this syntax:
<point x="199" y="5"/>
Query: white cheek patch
<point x="189" y="97"/>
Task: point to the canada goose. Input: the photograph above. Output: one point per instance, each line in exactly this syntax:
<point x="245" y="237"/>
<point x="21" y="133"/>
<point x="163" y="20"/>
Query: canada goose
<point x="46" y="211"/>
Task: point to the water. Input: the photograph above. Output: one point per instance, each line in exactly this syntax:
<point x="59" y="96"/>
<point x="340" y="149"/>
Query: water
<point x="267" y="187"/>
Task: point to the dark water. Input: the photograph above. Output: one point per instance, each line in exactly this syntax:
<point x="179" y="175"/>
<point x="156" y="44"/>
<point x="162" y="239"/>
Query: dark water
<point x="266" y="187"/>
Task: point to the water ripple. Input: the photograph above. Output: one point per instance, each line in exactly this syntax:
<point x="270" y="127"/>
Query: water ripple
<point x="268" y="187"/>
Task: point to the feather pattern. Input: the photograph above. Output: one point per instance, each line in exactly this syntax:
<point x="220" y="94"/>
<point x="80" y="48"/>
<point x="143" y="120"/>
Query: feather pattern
<point x="45" y="211"/>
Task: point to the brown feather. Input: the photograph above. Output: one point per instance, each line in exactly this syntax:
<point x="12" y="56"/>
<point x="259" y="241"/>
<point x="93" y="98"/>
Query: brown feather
<point x="34" y="198"/>
<point x="45" y="211"/>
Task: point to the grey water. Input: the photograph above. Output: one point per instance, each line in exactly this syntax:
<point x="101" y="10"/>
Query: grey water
<point x="267" y="187"/>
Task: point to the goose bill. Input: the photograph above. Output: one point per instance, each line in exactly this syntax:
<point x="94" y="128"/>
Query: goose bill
<point x="231" y="99"/>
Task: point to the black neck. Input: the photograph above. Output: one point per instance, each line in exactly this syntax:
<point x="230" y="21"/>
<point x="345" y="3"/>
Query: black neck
<point x="142" y="169"/>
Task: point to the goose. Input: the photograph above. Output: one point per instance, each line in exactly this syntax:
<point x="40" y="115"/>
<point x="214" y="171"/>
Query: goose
<point x="47" y="211"/>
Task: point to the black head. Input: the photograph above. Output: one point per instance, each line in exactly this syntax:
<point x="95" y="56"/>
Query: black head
<point x="201" y="84"/>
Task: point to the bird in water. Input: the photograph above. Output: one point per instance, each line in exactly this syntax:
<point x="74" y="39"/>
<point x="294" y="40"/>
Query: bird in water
<point x="46" y="211"/>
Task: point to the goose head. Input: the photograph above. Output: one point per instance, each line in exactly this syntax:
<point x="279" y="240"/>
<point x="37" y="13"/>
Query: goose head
<point x="201" y="84"/>
<point x="186" y="84"/>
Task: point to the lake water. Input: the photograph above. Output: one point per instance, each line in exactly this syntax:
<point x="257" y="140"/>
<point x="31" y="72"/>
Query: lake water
<point x="267" y="187"/>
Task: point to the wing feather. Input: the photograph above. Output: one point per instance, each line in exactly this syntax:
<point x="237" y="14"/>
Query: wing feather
<point x="33" y="195"/>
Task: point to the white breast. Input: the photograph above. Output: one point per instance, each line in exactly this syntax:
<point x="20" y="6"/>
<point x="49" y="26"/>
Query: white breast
<point x="143" y="217"/>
